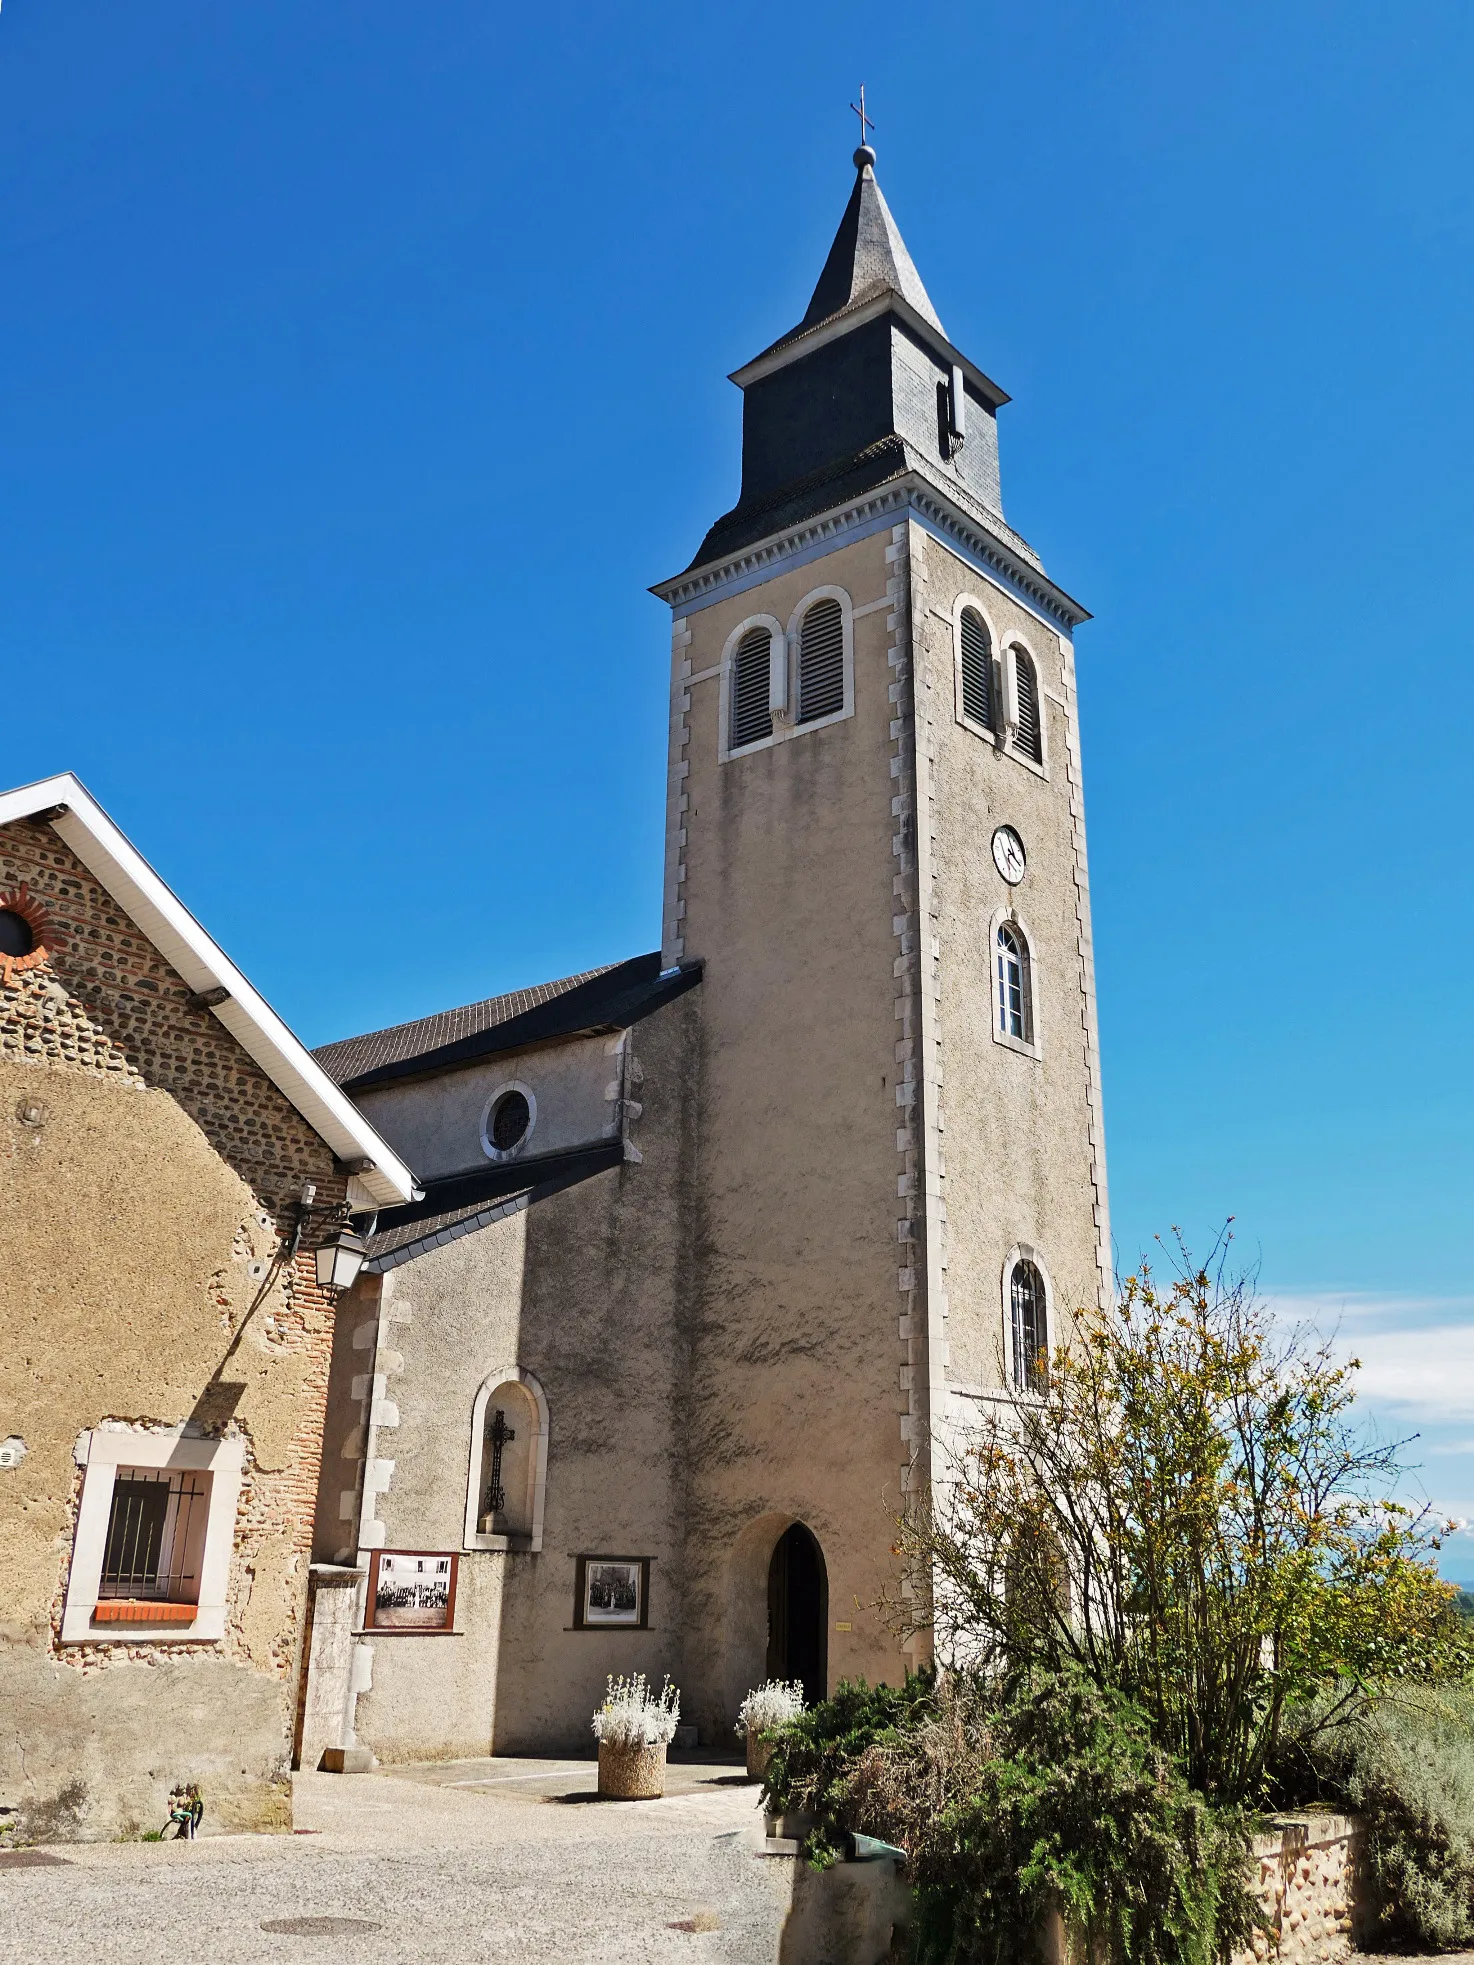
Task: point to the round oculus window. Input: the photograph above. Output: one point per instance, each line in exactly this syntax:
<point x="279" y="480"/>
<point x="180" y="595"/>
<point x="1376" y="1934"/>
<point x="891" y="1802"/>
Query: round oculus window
<point x="508" y="1122"/>
<point x="17" y="937"/>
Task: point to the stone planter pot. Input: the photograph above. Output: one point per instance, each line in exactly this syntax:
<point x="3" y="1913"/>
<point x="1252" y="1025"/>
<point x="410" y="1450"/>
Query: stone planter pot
<point x="631" y="1773"/>
<point x="759" y="1753"/>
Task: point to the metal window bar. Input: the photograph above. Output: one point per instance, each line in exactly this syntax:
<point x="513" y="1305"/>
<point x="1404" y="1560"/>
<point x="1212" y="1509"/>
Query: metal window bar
<point x="821" y="661"/>
<point x="155" y="1526"/>
<point x="752" y="720"/>
<point x="1027" y="1294"/>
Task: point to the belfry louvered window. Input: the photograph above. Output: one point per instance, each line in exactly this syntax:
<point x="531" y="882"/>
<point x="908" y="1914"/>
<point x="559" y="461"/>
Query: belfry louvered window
<point x="977" y="669"/>
<point x="752" y="720"/>
<point x="1028" y="736"/>
<point x="1029" y="1327"/>
<point x="821" y="661"/>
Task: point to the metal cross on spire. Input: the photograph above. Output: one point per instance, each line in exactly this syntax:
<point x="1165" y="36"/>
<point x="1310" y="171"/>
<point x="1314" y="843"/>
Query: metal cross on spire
<point x="865" y="122"/>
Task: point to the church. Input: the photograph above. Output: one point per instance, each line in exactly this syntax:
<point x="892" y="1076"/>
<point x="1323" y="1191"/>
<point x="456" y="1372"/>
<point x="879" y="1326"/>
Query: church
<point x="709" y="1248"/>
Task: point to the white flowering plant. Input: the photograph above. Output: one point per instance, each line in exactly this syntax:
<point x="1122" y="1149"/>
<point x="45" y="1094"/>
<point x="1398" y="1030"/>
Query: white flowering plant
<point x="770" y="1706"/>
<point x="632" y="1715"/>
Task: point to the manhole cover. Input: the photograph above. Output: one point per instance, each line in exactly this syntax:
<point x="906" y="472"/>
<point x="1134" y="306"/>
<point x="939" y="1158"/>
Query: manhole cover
<point x="317" y="1927"/>
<point x="31" y="1859"/>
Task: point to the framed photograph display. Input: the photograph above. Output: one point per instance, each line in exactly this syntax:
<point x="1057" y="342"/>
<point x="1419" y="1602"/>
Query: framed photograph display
<point x="611" y="1592"/>
<point x="411" y="1590"/>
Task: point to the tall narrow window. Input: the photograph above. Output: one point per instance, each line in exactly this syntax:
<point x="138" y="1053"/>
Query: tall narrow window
<point x="821" y="661"/>
<point x="1028" y="737"/>
<point x="752" y="720"/>
<point x="1015" y="1011"/>
<point x="1030" y="1334"/>
<point x="977" y="669"/>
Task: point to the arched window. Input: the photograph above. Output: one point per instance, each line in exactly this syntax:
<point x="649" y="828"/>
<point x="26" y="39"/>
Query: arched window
<point x="1029" y="1327"/>
<point x="752" y="720"/>
<point x="1028" y="736"/>
<point x="1015" y="984"/>
<point x="821" y="661"/>
<point x="977" y="668"/>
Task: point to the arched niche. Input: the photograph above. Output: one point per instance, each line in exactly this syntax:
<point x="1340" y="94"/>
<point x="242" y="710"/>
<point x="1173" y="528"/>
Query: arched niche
<point x="508" y="1475"/>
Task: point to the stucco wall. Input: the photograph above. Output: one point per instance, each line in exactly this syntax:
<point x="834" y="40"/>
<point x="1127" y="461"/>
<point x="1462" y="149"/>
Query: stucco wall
<point x="1017" y="1127"/>
<point x="587" y="1292"/>
<point x="138" y="1284"/>
<point x="436" y="1122"/>
<point x="787" y="894"/>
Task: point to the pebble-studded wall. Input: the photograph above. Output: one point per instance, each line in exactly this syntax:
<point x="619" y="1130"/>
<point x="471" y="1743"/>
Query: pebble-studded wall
<point x="150" y="1179"/>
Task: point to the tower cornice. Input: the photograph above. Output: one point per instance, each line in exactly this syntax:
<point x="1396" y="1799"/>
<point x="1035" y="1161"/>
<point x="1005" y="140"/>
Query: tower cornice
<point x="955" y="524"/>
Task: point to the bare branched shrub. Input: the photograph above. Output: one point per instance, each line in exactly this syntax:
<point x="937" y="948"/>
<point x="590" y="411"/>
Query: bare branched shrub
<point x="1183" y="1508"/>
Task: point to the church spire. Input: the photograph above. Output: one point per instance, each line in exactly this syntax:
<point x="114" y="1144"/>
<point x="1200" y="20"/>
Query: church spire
<point x="868" y="257"/>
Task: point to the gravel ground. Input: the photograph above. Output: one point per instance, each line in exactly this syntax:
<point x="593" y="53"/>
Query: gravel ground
<point x="479" y="1860"/>
<point x="483" y="1860"/>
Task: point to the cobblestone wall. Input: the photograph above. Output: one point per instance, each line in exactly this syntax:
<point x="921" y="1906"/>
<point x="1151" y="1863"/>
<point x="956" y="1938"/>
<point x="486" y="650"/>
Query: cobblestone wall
<point x="150" y="1175"/>
<point x="107" y="1001"/>
<point x="1307" y="1882"/>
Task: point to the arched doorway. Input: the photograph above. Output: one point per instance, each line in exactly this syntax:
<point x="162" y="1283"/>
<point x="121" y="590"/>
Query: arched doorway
<point x="798" y="1613"/>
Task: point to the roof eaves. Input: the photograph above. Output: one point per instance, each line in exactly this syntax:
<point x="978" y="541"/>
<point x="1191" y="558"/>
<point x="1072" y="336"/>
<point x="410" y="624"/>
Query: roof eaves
<point x="801" y="341"/>
<point x="111" y="858"/>
<point x="486" y="1188"/>
<point x="560" y="1017"/>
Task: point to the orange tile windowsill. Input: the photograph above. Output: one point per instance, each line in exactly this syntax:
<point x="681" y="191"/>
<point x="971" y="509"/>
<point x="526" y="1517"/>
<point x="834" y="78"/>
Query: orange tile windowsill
<point x="125" y="1610"/>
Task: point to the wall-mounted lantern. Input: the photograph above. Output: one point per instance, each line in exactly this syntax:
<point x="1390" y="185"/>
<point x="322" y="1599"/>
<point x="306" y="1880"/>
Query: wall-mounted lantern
<point x="339" y="1261"/>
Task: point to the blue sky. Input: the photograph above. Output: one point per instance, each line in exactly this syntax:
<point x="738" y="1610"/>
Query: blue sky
<point x="363" y="365"/>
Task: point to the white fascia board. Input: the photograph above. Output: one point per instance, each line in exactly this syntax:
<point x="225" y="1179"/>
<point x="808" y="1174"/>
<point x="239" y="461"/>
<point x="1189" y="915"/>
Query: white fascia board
<point x="184" y="944"/>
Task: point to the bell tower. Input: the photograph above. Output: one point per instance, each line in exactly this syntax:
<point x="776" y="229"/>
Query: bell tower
<point x="876" y="845"/>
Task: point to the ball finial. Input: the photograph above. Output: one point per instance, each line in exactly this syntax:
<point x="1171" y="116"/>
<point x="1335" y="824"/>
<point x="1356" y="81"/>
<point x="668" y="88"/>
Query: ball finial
<point x="863" y="156"/>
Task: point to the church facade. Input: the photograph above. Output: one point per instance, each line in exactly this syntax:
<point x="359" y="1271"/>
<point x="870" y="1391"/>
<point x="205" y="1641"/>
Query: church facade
<point x="716" y="1244"/>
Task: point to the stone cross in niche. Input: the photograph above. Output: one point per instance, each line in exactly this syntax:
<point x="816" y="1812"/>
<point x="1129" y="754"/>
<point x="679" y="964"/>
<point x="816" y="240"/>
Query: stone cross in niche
<point x="499" y="1433"/>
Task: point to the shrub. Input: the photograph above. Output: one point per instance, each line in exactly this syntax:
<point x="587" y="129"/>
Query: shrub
<point x="771" y="1705"/>
<point x="815" y="1756"/>
<point x="1047" y="1795"/>
<point x="1187" y="1510"/>
<point x="1407" y="1767"/>
<point x="634" y="1716"/>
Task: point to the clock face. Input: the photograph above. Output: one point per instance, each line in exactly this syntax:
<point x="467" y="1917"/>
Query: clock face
<point x="1008" y="855"/>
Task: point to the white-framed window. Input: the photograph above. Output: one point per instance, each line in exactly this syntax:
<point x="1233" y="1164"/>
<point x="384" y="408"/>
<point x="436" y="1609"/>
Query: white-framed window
<point x="810" y="673"/>
<point x="1027" y="1318"/>
<point x="151" y="1554"/>
<point x="752" y="665"/>
<point x="1026" y="721"/>
<point x="821" y="650"/>
<point x="1015" y="1013"/>
<point x="821" y="664"/>
<point x="754" y="683"/>
<point x="508" y="1475"/>
<point x="507" y="1120"/>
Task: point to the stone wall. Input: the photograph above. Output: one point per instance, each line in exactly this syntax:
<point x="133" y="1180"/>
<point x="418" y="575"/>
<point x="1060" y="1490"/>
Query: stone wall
<point x="149" y="1177"/>
<point x="1309" y="1889"/>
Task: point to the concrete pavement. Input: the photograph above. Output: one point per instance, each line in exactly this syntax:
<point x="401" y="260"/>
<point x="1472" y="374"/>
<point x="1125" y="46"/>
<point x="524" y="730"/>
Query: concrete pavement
<point x="484" y="1860"/>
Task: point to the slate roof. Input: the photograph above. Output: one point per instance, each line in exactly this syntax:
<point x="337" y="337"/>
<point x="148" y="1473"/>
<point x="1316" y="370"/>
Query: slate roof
<point x="464" y="1203"/>
<point x="847" y="477"/>
<point x="868" y="257"/>
<point x="609" y="998"/>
